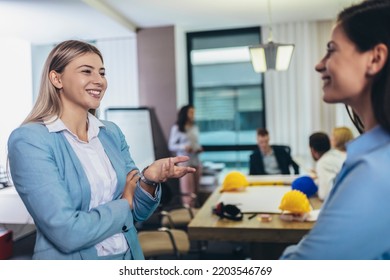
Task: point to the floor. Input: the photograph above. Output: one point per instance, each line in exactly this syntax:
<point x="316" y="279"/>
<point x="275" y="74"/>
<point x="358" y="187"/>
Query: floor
<point x="213" y="250"/>
<point x="24" y="247"/>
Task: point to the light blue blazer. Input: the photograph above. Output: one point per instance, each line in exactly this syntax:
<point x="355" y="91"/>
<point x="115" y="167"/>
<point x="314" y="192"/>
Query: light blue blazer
<point x="52" y="184"/>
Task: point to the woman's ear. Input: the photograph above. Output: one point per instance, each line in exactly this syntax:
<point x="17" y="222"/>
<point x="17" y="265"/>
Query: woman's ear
<point x="55" y="79"/>
<point x="378" y="59"/>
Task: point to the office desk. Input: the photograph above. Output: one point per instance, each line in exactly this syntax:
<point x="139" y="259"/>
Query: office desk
<point x="207" y="226"/>
<point x="14" y="215"/>
<point x="271" y="179"/>
<point x="12" y="209"/>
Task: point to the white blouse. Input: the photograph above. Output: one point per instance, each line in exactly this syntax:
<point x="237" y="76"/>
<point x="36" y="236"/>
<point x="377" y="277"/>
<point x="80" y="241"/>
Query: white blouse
<point x="100" y="173"/>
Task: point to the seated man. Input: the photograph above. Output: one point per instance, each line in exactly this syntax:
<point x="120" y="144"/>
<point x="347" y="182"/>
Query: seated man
<point x="329" y="156"/>
<point x="270" y="159"/>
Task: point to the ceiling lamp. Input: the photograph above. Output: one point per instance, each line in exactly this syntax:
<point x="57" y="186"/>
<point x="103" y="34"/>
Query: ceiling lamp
<point x="271" y="55"/>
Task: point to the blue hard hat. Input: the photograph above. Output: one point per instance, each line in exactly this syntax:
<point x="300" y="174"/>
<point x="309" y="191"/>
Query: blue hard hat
<point x="306" y="185"/>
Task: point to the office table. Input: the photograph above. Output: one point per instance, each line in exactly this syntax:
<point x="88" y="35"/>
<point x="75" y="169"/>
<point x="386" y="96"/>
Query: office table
<point x="12" y="209"/>
<point x="14" y="215"/>
<point x="208" y="226"/>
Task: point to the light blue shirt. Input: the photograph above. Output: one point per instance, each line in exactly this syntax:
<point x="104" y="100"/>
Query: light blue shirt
<point x="53" y="185"/>
<point x="354" y="222"/>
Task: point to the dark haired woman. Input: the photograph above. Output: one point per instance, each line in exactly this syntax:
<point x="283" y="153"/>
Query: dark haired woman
<point x="354" y="222"/>
<point x="184" y="141"/>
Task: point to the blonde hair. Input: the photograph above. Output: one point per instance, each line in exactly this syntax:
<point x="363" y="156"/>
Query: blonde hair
<point x="341" y="136"/>
<point x="48" y="103"/>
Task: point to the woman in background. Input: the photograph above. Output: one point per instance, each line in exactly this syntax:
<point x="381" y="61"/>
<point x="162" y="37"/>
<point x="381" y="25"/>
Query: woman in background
<point x="184" y="141"/>
<point x="74" y="172"/>
<point x="354" y="222"/>
<point x="340" y="137"/>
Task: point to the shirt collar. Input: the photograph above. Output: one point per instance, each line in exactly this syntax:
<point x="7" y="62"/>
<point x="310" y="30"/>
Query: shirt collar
<point x="368" y="141"/>
<point x="55" y="124"/>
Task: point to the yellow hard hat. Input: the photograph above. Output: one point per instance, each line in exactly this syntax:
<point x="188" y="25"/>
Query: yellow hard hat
<point x="234" y="181"/>
<point x="295" y="201"/>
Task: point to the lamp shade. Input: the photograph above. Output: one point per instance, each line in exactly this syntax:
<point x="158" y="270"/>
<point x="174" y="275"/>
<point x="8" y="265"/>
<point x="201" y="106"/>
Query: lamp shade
<point x="271" y="56"/>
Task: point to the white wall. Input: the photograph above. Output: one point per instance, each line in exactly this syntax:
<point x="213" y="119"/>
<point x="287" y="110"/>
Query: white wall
<point x="16" y="88"/>
<point x="120" y="61"/>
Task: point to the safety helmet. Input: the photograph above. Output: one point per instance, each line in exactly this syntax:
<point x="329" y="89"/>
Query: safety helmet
<point x="306" y="185"/>
<point x="295" y="202"/>
<point x="234" y="181"/>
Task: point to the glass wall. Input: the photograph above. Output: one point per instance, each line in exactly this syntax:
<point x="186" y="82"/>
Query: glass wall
<point x="227" y="94"/>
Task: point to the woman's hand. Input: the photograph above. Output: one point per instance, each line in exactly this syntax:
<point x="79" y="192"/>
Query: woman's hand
<point x="131" y="183"/>
<point x="165" y="168"/>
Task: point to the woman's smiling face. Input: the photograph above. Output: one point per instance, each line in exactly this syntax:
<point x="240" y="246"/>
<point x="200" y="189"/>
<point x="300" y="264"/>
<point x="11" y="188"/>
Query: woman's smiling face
<point x="83" y="82"/>
<point x="343" y="70"/>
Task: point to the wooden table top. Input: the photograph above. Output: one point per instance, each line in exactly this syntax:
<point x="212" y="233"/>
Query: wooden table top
<point x="208" y="226"/>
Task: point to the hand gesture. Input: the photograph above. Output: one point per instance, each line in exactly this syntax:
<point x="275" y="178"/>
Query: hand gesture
<point x="165" y="168"/>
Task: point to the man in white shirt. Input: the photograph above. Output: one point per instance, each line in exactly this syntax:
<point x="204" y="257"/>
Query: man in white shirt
<point x="328" y="162"/>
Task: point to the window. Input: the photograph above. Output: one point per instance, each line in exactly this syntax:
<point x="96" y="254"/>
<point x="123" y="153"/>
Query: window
<point x="227" y="94"/>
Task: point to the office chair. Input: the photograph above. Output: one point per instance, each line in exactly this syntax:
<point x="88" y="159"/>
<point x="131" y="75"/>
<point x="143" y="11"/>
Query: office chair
<point x="294" y="165"/>
<point x="179" y="217"/>
<point x="164" y="242"/>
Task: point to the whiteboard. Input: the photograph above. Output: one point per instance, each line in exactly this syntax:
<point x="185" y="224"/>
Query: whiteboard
<point x="136" y="125"/>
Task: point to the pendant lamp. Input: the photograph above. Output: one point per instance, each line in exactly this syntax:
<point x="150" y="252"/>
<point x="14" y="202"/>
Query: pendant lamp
<point x="271" y="55"/>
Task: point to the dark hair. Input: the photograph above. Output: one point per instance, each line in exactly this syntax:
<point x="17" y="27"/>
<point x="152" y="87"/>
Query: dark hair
<point x="319" y="141"/>
<point x="368" y="24"/>
<point x="262" y="132"/>
<point x="182" y="117"/>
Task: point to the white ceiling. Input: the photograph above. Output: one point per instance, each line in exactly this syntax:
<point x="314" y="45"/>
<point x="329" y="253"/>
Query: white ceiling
<point x="43" y="21"/>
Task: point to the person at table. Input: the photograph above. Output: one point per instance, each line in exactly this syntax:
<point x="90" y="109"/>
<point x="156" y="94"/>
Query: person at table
<point x="354" y="222"/>
<point x="331" y="163"/>
<point x="270" y="159"/>
<point x="326" y="165"/>
<point x="74" y="172"/>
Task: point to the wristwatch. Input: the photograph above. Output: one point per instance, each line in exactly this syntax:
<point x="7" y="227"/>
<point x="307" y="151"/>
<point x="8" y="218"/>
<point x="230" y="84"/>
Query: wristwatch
<point x="147" y="181"/>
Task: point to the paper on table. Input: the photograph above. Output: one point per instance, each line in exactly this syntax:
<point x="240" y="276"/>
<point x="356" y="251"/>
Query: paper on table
<point x="264" y="199"/>
<point x="12" y="209"/>
<point x="313" y="215"/>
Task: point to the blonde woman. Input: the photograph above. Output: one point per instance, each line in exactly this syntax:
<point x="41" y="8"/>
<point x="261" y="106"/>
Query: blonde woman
<point x="74" y="172"/>
<point x="340" y="137"/>
<point x="330" y="163"/>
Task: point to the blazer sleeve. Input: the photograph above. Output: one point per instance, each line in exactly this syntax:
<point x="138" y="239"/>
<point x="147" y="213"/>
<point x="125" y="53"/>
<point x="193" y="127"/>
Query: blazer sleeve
<point x="256" y="166"/>
<point x="36" y="176"/>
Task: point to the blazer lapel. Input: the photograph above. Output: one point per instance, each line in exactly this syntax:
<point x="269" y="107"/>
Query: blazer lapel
<point x="114" y="157"/>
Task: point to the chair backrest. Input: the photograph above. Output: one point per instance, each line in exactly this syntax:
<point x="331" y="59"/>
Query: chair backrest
<point x="164" y="242"/>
